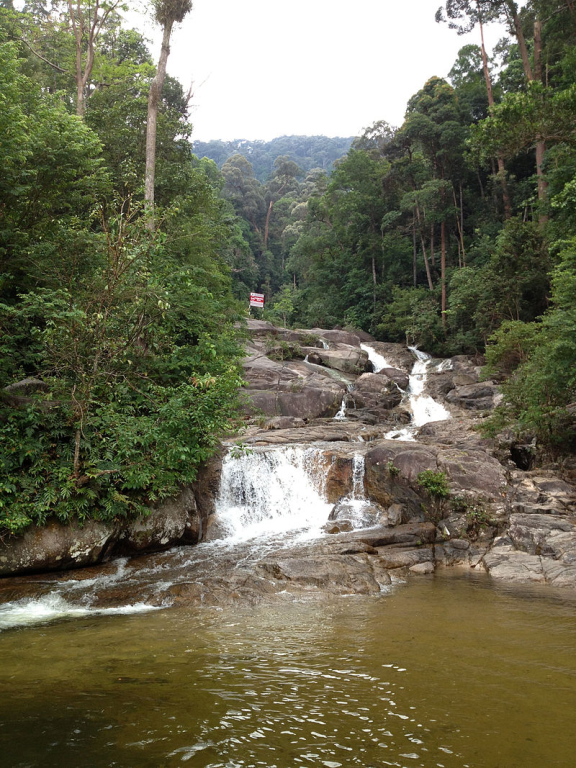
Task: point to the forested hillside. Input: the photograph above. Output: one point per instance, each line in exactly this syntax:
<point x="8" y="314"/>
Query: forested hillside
<point x="117" y="348"/>
<point x="455" y="230"/>
<point x="307" y="151"/>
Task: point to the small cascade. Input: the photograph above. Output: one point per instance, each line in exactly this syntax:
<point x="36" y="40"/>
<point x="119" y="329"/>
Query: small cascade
<point x="272" y="492"/>
<point x="341" y="415"/>
<point x="356" y="508"/>
<point x="378" y="362"/>
<point x="325" y="344"/>
<point x="358" y="470"/>
<point x="423" y="407"/>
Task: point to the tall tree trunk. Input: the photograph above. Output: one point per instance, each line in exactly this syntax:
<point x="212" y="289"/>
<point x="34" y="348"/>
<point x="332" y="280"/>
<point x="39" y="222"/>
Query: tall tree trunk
<point x="521" y="40"/>
<point x="432" y="257"/>
<point x="154" y="95"/>
<point x="426" y="263"/>
<point x="541" y="145"/>
<point x="374" y="281"/>
<point x="443" y="272"/>
<point x="267" y="225"/>
<point x="488" y="79"/>
<point x="414" y="253"/>
<point x="86" y="26"/>
<point x="459" y="222"/>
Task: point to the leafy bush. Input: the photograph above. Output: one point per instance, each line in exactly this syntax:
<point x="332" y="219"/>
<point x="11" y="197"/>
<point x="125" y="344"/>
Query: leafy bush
<point x="435" y="483"/>
<point x="141" y="384"/>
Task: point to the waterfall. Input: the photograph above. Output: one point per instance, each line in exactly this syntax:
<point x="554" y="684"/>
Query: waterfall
<point x="424" y="408"/>
<point x="377" y="360"/>
<point x="341" y="415"/>
<point x="272" y="492"/>
<point x="356" y="508"/>
<point x="358" y="470"/>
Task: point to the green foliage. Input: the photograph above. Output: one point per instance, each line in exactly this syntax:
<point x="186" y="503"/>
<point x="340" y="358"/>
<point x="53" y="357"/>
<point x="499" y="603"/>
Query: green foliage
<point x="140" y="385"/>
<point x="435" y="483"/>
<point x="392" y="468"/>
<point x="308" y="152"/>
<point x="130" y="334"/>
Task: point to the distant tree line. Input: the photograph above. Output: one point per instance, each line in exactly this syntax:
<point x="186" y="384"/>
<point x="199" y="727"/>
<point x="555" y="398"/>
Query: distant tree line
<point x="307" y="151"/>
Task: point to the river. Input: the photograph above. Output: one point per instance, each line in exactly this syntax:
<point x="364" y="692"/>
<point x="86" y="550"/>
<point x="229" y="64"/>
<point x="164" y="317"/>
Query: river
<point x="445" y="671"/>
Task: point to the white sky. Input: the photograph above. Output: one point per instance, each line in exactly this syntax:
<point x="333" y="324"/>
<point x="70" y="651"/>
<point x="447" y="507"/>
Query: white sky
<point x="267" y="68"/>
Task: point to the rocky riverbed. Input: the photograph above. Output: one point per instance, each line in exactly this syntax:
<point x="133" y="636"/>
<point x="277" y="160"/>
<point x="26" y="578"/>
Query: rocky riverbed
<point x="323" y="492"/>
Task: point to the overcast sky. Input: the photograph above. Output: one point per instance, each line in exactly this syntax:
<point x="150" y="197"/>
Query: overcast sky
<point x="267" y="68"/>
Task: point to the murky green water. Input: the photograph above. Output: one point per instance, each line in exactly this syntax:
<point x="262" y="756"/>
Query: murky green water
<point x="442" y="672"/>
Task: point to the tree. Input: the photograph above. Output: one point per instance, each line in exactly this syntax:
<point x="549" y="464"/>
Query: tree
<point x="87" y="21"/>
<point x="470" y="13"/>
<point x="167" y="13"/>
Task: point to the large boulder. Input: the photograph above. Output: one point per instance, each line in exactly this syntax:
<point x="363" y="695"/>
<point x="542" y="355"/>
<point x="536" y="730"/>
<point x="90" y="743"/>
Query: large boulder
<point x="399" y="377"/>
<point x="344" y="358"/>
<point x="480" y="397"/>
<point x="289" y="389"/>
<point x="336" y="337"/>
<point x="57" y="546"/>
<point x="396" y="355"/>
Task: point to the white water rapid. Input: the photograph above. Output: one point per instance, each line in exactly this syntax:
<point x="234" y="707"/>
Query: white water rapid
<point x="424" y="408"/>
<point x="271" y="492"/>
<point x="375" y="358"/>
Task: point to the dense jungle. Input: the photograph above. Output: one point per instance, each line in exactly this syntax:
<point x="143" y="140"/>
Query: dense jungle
<point x="126" y="260"/>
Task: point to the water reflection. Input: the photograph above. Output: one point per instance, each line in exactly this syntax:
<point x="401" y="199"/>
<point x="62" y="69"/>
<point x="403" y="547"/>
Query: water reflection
<point x="443" y="672"/>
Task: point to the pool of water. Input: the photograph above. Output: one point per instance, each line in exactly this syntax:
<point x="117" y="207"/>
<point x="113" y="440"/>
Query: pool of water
<point x="445" y="671"/>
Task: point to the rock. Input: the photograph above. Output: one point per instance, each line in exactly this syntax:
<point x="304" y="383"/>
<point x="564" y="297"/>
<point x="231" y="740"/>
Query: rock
<point x="258" y="328"/>
<point x="390" y="469"/>
<point x="504" y="563"/>
<point x="399" y="377"/>
<point x="473" y="471"/>
<point x="422" y="568"/>
<point x="342" y="526"/>
<point x="364" y="337"/>
<point x="345" y="358"/>
<point x="207" y="486"/>
<point x="474" y="396"/>
<point x="346" y="574"/>
<point x="410" y="534"/>
<point x="337" y="337"/>
<point x="27" y="387"/>
<point x="439" y="383"/>
<point x="285" y="422"/>
<point x="546" y="535"/>
<point x="289" y="389"/>
<point x="338" y="478"/>
<point x="56" y="547"/>
<point x="174" y="521"/>
<point x="215" y="529"/>
<point x="360" y="515"/>
<point x="463" y="380"/>
<point x="392" y="558"/>
<point x="396" y="514"/>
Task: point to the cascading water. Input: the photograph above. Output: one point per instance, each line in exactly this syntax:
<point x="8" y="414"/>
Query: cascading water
<point x="378" y="362"/>
<point x="424" y="408"/>
<point x="272" y="492"/>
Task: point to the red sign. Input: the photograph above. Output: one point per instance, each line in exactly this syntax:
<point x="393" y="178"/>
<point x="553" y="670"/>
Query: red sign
<point x="257" y="300"/>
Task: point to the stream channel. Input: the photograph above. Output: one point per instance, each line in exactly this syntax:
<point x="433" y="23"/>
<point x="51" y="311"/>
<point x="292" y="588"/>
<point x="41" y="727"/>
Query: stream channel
<point x="441" y="671"/>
